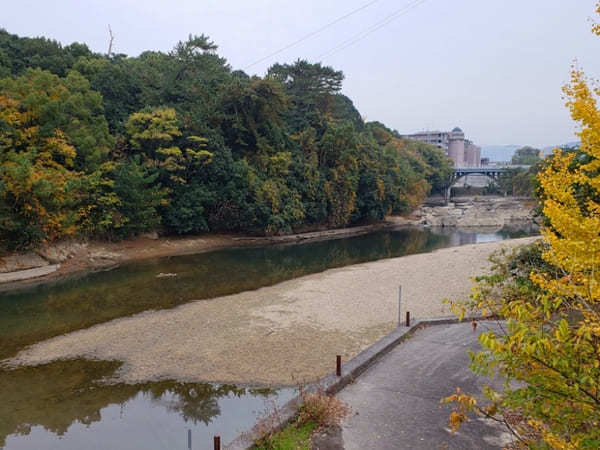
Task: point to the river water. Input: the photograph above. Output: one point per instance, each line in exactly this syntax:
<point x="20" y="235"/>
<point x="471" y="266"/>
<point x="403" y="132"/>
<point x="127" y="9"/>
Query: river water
<point x="67" y="404"/>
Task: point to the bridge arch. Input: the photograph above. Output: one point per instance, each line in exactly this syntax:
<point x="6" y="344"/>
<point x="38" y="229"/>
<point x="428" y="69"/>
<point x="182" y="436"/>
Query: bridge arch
<point x="492" y="172"/>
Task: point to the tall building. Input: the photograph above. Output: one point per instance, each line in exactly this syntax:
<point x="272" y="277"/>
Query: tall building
<point x="462" y="151"/>
<point x="472" y="155"/>
<point x="456" y="147"/>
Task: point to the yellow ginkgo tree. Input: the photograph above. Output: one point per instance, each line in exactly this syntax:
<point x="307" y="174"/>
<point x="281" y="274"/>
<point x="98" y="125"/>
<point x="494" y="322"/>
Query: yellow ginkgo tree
<point x="549" y="349"/>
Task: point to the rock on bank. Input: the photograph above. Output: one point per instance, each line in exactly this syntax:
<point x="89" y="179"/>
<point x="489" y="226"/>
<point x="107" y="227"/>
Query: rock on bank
<point x="478" y="212"/>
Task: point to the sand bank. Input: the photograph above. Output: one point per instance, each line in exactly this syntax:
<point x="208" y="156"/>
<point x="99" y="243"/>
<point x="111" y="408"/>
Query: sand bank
<point x="282" y="334"/>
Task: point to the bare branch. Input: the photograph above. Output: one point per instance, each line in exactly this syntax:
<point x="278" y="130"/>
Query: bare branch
<point x="110" y="44"/>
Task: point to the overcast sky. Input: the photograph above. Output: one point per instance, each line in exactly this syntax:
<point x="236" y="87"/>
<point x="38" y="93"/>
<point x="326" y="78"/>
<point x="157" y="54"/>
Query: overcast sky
<point x="493" y="67"/>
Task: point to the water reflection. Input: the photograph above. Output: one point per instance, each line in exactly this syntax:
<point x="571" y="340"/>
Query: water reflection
<point x="478" y="235"/>
<point x="68" y="399"/>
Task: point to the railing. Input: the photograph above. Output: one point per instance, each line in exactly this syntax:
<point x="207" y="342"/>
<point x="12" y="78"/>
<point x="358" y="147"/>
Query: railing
<point x="489" y="169"/>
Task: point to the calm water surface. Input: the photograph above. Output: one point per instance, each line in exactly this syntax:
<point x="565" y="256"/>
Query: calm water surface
<point x="65" y="405"/>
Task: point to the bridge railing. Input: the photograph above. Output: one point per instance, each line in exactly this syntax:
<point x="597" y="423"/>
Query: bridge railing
<point x="489" y="169"/>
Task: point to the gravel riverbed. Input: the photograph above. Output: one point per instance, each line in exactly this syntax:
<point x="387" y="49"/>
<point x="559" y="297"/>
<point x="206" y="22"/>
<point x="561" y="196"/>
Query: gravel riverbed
<point x="277" y="335"/>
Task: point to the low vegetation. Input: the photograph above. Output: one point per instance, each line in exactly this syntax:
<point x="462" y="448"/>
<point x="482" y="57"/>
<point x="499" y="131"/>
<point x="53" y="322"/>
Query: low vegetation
<point x="292" y="437"/>
<point x="316" y="411"/>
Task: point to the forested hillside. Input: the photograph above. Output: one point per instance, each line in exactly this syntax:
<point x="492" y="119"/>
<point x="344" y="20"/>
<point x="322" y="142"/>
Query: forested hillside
<point x="111" y="146"/>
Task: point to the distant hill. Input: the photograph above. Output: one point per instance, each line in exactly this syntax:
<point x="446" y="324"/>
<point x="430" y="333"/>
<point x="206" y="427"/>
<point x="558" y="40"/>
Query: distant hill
<point x="499" y="153"/>
<point x="502" y="153"/>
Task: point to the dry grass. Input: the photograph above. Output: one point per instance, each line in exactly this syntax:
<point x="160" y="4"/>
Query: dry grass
<point x="316" y="411"/>
<point x="322" y="409"/>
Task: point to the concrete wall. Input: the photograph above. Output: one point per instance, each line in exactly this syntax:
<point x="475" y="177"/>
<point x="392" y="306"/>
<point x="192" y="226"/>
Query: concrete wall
<point x="472" y="155"/>
<point x="437" y="138"/>
<point x="469" y="156"/>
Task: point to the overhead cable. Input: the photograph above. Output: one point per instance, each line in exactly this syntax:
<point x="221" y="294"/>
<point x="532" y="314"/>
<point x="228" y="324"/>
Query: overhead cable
<point x="359" y="36"/>
<point x="311" y="34"/>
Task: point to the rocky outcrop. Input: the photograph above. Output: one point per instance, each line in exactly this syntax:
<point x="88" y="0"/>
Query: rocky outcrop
<point x="15" y="263"/>
<point x="99" y="258"/>
<point x="61" y="251"/>
<point x="46" y="260"/>
<point x="478" y="212"/>
<point x="44" y="256"/>
<point x="27" y="274"/>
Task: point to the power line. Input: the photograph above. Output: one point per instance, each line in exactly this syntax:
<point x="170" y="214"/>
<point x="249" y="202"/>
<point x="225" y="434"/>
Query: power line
<point x="357" y="37"/>
<point x="313" y="33"/>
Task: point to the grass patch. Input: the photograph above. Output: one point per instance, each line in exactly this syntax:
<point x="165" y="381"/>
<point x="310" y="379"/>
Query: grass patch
<point x="292" y="437"/>
<point x="316" y="411"/>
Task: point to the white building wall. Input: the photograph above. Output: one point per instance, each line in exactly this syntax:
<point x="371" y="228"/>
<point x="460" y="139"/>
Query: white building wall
<point x="463" y="152"/>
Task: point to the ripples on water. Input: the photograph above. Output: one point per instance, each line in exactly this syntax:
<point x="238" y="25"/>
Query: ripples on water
<point x="64" y="405"/>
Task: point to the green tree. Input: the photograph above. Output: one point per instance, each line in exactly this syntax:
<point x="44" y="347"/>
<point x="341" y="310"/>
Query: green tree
<point x="312" y="89"/>
<point x="517" y="182"/>
<point x="67" y="104"/>
<point x="22" y="53"/>
<point x="116" y="81"/>
<point x="253" y="111"/>
<point x="526" y="156"/>
<point x="139" y="197"/>
<point x="45" y="155"/>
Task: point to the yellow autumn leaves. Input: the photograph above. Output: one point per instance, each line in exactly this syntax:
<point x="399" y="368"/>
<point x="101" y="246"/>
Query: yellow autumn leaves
<point x="549" y="347"/>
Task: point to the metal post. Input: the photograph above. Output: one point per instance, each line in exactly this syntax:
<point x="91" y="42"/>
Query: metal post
<point x="217" y="441"/>
<point x="189" y="439"/>
<point x="399" y="304"/>
<point x="338" y="365"/>
<point x="408" y="318"/>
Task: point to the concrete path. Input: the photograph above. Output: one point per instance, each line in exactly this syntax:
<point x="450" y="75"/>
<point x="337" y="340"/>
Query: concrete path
<point x="395" y="403"/>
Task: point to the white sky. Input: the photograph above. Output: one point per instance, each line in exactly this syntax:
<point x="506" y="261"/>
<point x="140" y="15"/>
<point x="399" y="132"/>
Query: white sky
<point x="493" y="67"/>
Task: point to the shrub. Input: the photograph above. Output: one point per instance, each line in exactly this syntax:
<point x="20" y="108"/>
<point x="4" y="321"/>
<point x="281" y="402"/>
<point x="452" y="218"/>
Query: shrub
<point x="322" y="409"/>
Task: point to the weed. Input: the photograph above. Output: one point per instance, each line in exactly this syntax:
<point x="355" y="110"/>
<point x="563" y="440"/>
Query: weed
<point x="322" y="409"/>
<point x="316" y="410"/>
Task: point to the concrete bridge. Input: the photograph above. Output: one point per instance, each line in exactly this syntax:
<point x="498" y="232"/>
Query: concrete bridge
<point x="492" y="172"/>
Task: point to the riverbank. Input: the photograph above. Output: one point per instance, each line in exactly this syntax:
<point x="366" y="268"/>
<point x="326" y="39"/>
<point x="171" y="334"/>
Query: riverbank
<point x="477" y="211"/>
<point x="66" y="259"/>
<point x="277" y="335"/>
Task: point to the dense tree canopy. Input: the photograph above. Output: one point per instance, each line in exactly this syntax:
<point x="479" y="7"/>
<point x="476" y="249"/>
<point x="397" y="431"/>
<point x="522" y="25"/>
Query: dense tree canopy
<point x="178" y="142"/>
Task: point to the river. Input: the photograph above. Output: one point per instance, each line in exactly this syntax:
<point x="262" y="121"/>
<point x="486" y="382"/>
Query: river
<point x="67" y="404"/>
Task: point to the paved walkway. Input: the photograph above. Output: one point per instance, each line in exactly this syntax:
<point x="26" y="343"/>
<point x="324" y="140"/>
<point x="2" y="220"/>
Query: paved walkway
<point x="395" y="404"/>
